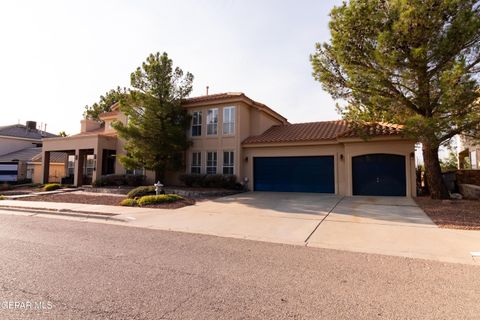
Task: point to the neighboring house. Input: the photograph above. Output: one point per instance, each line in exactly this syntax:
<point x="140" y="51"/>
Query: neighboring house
<point x="18" y="136"/>
<point x="468" y="153"/>
<point x="22" y="139"/>
<point x="26" y="164"/>
<point x="233" y="134"/>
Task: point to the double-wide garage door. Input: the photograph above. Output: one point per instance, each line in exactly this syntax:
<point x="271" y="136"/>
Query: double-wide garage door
<point x="294" y="174"/>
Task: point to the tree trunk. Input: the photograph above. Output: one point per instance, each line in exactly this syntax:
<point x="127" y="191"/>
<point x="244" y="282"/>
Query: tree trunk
<point x="433" y="172"/>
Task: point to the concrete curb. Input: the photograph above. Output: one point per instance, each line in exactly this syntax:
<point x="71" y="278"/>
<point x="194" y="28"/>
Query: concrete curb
<point x="67" y="213"/>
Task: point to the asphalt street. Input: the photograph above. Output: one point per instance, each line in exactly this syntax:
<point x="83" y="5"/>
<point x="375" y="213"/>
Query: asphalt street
<point x="60" y="269"/>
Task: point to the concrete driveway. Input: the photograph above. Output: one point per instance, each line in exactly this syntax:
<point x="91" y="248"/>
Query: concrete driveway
<point x="266" y="216"/>
<point x="383" y="225"/>
<point x="393" y="226"/>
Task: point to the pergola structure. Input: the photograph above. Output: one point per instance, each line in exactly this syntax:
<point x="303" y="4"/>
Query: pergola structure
<point x="94" y="155"/>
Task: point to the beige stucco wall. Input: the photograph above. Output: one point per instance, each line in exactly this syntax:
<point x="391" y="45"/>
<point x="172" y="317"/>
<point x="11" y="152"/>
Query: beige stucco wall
<point x="56" y="172"/>
<point x="343" y="167"/>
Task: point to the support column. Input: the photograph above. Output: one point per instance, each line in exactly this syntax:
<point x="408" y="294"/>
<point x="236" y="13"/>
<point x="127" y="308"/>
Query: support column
<point x="45" y="166"/>
<point x="97" y="173"/>
<point x="78" y="172"/>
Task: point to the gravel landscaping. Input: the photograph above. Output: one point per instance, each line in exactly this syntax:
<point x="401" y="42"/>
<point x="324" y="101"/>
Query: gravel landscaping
<point x="452" y="214"/>
<point x="101" y="199"/>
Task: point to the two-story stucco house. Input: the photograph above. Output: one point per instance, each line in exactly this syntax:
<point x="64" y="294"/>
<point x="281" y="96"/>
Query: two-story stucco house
<point x="233" y="134"/>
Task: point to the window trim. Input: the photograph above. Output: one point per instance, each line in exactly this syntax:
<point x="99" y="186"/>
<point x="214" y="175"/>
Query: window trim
<point x="196" y="125"/>
<point x="207" y="167"/>
<point x="214" y="124"/>
<point x="231" y="164"/>
<point x="227" y="124"/>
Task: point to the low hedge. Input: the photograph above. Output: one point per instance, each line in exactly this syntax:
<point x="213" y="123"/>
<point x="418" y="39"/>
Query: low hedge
<point x="117" y="180"/>
<point x="51" y="187"/>
<point x="141" y="191"/>
<point x="162" y="198"/>
<point x="210" y="181"/>
<point x="128" y="202"/>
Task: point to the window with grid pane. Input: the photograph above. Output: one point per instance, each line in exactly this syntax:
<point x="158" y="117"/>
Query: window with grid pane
<point x="197" y="124"/>
<point x="228" y="120"/>
<point x="196" y="162"/>
<point x="228" y="162"/>
<point x="212" y="162"/>
<point x="212" y="121"/>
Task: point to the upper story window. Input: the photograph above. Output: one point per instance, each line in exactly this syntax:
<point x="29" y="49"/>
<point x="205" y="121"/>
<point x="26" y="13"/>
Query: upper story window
<point x="212" y="121"/>
<point x="196" y="162"/>
<point x="228" y="120"/>
<point x="197" y="124"/>
<point x="212" y="162"/>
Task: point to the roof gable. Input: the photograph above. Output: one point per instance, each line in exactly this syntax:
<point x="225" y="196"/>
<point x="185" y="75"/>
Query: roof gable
<point x="232" y="96"/>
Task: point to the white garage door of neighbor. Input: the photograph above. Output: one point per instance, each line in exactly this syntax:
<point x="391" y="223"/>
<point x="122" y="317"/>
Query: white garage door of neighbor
<point x="8" y="171"/>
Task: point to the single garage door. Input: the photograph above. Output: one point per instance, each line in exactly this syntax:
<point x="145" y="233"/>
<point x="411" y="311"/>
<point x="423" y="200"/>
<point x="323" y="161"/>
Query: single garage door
<point x="379" y="175"/>
<point x="294" y="174"/>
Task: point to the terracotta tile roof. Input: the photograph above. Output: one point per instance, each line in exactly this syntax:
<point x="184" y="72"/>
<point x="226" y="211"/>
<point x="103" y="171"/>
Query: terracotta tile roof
<point x="372" y="130"/>
<point x="231" y="95"/>
<point x="324" y="130"/>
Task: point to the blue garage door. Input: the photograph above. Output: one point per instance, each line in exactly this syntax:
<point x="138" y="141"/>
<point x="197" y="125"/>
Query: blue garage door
<point x="379" y="175"/>
<point x="294" y="174"/>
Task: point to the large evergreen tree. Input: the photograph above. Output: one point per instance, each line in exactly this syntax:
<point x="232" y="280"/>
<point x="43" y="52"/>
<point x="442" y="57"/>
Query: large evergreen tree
<point x="156" y="132"/>
<point x="412" y="62"/>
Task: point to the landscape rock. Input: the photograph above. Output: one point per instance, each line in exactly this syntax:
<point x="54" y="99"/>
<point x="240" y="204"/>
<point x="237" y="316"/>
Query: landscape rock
<point x="470" y="191"/>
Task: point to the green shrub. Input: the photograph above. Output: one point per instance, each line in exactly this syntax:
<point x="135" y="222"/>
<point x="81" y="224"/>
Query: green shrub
<point x="117" y="180"/>
<point x="141" y="191"/>
<point x="193" y="180"/>
<point x="134" y="180"/>
<point x="51" y="187"/>
<point x="162" y="198"/>
<point x="210" y="180"/>
<point x="128" y="202"/>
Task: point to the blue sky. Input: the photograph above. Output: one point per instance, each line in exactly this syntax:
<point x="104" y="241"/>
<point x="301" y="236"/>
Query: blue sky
<point x="58" y="56"/>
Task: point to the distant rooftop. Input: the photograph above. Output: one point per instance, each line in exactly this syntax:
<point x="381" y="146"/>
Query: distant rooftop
<point x="22" y="131"/>
<point x="33" y="154"/>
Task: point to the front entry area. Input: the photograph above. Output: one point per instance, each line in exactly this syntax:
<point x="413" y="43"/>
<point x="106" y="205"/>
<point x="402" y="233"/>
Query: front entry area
<point x="294" y="174"/>
<point x="379" y="175"/>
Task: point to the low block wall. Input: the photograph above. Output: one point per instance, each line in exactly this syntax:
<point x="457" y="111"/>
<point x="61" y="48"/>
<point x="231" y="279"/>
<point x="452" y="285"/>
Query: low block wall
<point x="468" y="177"/>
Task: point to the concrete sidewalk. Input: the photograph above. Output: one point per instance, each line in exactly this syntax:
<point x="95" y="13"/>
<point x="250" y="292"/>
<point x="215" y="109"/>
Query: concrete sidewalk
<point x="391" y="226"/>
